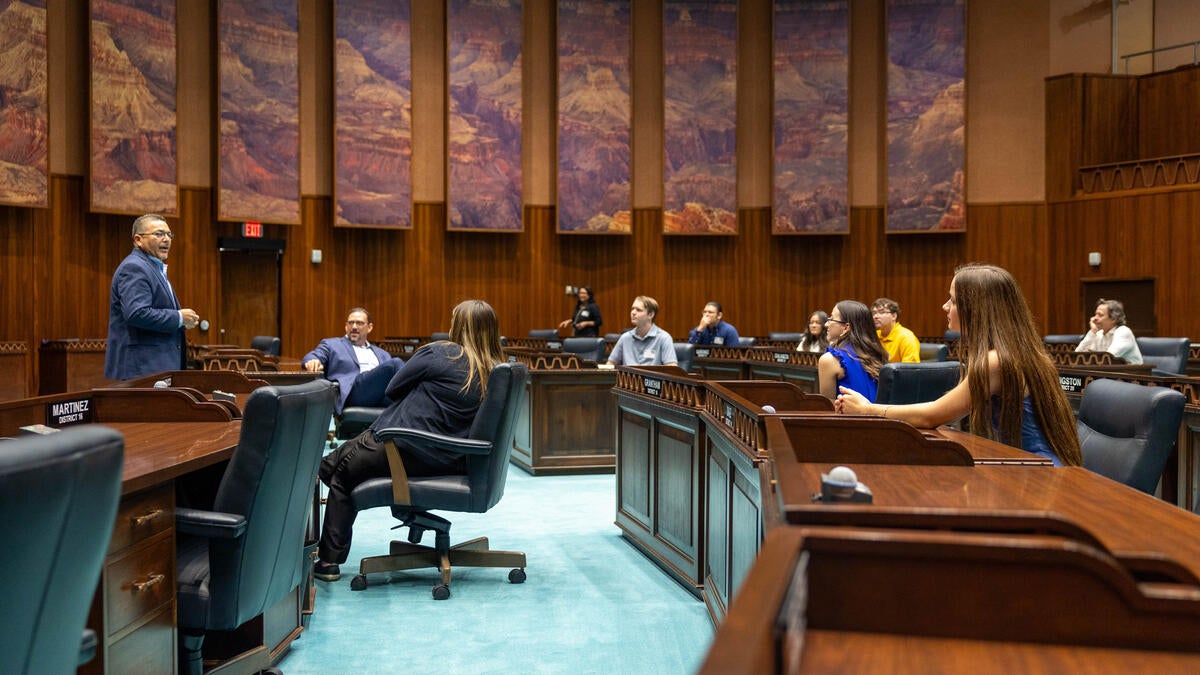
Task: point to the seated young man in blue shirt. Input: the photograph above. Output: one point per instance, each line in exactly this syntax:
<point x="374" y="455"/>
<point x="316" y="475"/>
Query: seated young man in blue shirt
<point x="712" y="329"/>
<point x="646" y="344"/>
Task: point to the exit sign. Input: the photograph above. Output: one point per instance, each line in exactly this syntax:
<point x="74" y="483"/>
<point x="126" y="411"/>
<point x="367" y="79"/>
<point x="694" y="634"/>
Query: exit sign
<point x="252" y="230"/>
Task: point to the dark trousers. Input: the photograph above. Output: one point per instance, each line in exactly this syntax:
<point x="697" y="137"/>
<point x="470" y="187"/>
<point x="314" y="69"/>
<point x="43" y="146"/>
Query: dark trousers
<point x="363" y="458"/>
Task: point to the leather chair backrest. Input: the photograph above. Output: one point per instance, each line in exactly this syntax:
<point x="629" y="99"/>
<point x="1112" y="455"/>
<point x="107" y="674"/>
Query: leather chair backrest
<point x="267" y="344"/>
<point x="685" y="353"/>
<point x="933" y="351"/>
<point x="746" y="341"/>
<point x="786" y="337"/>
<point x="1068" y="339"/>
<point x="953" y="336"/>
<point x="58" y="497"/>
<point x="1167" y="354"/>
<point x="1126" y="430"/>
<point x="544" y="333"/>
<point x="903" y="383"/>
<point x="588" y="348"/>
<point x="270" y="481"/>
<point x="495" y="422"/>
<point x="439" y="336"/>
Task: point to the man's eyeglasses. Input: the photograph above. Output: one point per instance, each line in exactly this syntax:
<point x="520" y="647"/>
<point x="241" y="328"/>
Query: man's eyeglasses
<point x="158" y="233"/>
<point x="877" y="312"/>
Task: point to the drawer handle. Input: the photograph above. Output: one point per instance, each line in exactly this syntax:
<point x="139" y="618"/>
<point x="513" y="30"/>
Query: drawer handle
<point x="141" y="520"/>
<point x="154" y="580"/>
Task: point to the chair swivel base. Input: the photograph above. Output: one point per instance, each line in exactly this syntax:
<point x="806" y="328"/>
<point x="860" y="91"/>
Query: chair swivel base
<point x="406" y="556"/>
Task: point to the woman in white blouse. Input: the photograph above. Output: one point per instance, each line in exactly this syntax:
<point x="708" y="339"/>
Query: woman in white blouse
<point x="1107" y="332"/>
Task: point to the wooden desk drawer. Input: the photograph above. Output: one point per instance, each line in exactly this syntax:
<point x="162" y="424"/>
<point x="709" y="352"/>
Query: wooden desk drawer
<point x="139" y="582"/>
<point x="142" y="516"/>
<point x="149" y="649"/>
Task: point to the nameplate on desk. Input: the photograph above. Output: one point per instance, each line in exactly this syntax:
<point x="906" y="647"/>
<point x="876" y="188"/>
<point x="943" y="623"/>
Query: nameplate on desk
<point x="781" y="357"/>
<point x="703" y="353"/>
<point x="1071" y="384"/>
<point x="408" y="349"/>
<point x="68" y="413"/>
<point x="652" y="387"/>
<point x="512" y="359"/>
<point x="729" y="415"/>
<point x="553" y="345"/>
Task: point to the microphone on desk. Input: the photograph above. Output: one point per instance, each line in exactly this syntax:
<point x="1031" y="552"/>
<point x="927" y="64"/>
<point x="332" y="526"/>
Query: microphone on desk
<point x="768" y="408"/>
<point x="841" y="485"/>
<point x="162" y="384"/>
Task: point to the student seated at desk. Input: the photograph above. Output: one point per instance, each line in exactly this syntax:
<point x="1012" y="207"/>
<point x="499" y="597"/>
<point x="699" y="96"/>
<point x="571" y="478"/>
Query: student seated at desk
<point x="1011" y="387"/>
<point x="814" y="338"/>
<point x="1107" y="332"/>
<point x="854" y="355"/>
<point x="713" y="329"/>
<point x="646" y="344"/>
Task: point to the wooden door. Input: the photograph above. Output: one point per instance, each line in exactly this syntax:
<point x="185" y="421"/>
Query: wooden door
<point x="249" y="296"/>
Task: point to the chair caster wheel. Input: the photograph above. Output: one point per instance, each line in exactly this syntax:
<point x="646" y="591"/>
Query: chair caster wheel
<point x="516" y="576"/>
<point x="441" y="592"/>
<point x="359" y="582"/>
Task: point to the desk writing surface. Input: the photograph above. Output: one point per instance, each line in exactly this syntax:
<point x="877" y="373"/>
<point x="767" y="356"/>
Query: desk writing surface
<point x="1126" y="521"/>
<point x="990" y="452"/>
<point x="156" y="452"/>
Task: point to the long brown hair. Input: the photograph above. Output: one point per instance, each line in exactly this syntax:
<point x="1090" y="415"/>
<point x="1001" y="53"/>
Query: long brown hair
<point x="993" y="315"/>
<point x="861" y="336"/>
<point x="475" y="328"/>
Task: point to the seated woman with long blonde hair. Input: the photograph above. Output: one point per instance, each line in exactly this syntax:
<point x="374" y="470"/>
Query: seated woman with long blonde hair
<point x="1010" y="387"/>
<point x="439" y="390"/>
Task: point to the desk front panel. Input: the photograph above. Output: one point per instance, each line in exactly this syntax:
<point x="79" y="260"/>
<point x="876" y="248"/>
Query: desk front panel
<point x="566" y="426"/>
<point x="659" y="484"/>
<point x="733" y="516"/>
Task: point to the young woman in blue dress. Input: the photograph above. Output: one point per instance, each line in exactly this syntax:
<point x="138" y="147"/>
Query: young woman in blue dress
<point x="1010" y="387"/>
<point x="854" y="355"/>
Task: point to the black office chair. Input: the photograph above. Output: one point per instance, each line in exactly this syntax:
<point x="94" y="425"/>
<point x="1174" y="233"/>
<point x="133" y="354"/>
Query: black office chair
<point x="934" y="351"/>
<point x="1126" y="430"/>
<point x="267" y="344"/>
<point x="439" y="337"/>
<point x="786" y="337"/>
<point x="685" y="353"/>
<point x="58" y="497"/>
<point x="588" y="348"/>
<point x="952" y="336"/>
<point x="746" y="341"/>
<point x="903" y="383"/>
<point x="1168" y="355"/>
<point x="1063" y="339"/>
<point x="248" y="553"/>
<point x="487" y="448"/>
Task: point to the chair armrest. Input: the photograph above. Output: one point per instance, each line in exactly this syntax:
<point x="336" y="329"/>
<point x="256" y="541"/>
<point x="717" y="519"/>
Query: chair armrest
<point x="464" y="446"/>
<point x="209" y="524"/>
<point x="87" y="646"/>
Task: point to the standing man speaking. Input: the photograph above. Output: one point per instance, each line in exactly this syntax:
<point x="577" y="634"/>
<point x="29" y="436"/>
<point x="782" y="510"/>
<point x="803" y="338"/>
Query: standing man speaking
<point x="145" y="322"/>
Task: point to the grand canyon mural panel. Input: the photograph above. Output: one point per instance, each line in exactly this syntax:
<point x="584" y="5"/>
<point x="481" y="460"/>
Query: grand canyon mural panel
<point x="259" y="136"/>
<point x="811" y="107"/>
<point x="133" y="148"/>
<point x="23" y="109"/>
<point x="373" y="113"/>
<point x="593" y="117"/>
<point x="926" y="120"/>
<point x="700" y="116"/>
<point x="485" y="115"/>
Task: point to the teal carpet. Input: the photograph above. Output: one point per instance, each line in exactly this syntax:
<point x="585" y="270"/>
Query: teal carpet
<point x="592" y="602"/>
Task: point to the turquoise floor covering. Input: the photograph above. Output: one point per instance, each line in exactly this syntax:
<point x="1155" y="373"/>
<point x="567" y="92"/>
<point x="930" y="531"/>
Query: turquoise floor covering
<point x="591" y="604"/>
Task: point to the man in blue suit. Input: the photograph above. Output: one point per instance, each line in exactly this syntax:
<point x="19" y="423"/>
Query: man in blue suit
<point x="145" y="322"/>
<point x="361" y="369"/>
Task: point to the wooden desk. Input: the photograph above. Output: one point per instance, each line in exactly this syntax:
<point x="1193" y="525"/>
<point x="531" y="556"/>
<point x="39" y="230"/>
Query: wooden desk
<point x="830" y="600"/>
<point x="566" y="425"/>
<point x="1149" y="535"/>
<point x="14" y="370"/>
<point x="71" y="365"/>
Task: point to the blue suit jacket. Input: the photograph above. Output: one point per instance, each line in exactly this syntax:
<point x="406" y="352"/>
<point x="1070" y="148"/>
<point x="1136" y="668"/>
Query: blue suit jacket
<point x="341" y="365"/>
<point x="144" y="331"/>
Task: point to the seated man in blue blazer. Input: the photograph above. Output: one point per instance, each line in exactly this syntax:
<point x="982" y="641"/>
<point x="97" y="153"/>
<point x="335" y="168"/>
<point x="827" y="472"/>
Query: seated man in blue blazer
<point x="361" y="369"/>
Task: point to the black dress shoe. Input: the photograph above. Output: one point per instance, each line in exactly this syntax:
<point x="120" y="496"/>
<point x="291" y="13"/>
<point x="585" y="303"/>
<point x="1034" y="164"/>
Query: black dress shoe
<point x="326" y="571"/>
